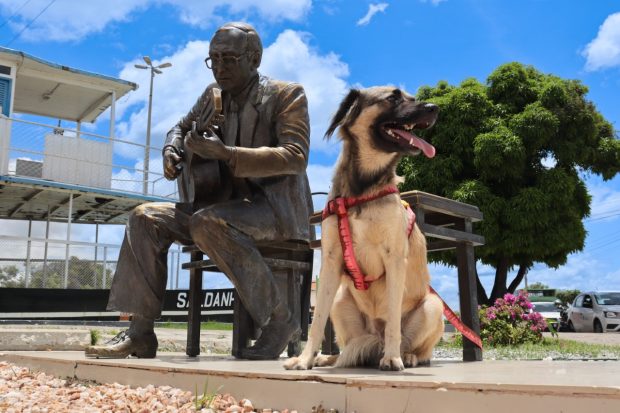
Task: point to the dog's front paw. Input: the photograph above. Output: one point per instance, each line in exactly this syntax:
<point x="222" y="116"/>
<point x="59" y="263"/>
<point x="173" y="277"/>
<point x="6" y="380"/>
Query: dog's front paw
<point x="391" y="363"/>
<point x="298" y="363"/>
<point x="323" y="360"/>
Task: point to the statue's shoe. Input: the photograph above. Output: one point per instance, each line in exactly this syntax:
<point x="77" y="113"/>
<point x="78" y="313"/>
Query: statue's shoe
<point x="272" y="341"/>
<point x="126" y="344"/>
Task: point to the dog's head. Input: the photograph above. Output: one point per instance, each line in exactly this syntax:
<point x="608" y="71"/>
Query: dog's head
<point x="388" y="116"/>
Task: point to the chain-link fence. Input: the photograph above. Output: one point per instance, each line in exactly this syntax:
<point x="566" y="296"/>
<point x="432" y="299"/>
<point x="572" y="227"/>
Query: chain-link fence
<point x="37" y="263"/>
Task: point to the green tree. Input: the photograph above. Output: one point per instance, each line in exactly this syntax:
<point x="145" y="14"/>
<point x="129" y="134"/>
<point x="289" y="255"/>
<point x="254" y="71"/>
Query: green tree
<point x="519" y="148"/>
<point x="538" y="286"/>
<point x="10" y="277"/>
<point x="82" y="274"/>
<point x="567" y="296"/>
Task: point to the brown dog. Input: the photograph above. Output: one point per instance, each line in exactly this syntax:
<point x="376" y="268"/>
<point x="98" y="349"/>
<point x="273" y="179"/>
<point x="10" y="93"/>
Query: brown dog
<point x="396" y="322"/>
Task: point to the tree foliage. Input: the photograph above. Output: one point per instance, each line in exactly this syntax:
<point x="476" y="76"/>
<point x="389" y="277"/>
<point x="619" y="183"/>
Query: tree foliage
<point x="82" y="274"/>
<point x="567" y="296"/>
<point x="538" y="286"/>
<point x="517" y="147"/>
<point x="10" y="277"/>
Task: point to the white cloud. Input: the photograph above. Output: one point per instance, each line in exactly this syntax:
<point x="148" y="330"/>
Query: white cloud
<point x="604" y="51"/>
<point x="64" y="21"/>
<point x="209" y="13"/>
<point x="323" y="76"/>
<point x="174" y="93"/>
<point x="131" y="179"/>
<point x="372" y="10"/>
<point x="176" y="90"/>
<point x="320" y="177"/>
<point x="605" y="203"/>
<point x="582" y="271"/>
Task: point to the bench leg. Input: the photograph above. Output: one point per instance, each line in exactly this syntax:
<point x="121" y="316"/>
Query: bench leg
<point x="243" y="326"/>
<point x="468" y="297"/>
<point x="329" y="345"/>
<point x="306" y="291"/>
<point x="294" y="305"/>
<point x="195" y="301"/>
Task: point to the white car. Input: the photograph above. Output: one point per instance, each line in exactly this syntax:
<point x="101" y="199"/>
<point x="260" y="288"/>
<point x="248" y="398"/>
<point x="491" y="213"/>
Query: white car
<point x="595" y="311"/>
<point x="549" y="311"/>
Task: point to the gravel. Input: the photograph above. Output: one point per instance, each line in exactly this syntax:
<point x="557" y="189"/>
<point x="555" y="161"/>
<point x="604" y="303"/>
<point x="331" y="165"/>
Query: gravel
<point x="22" y="390"/>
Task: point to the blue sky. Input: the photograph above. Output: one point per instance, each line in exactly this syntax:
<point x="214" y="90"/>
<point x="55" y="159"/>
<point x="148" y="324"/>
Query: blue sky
<point x="331" y="45"/>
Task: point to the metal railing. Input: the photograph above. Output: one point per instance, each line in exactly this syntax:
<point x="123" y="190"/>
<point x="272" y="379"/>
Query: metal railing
<point x="37" y="150"/>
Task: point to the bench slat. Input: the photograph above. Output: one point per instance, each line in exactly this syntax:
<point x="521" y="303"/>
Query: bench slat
<point x="283" y="245"/>
<point x="446" y="206"/>
<point x="429" y="202"/>
<point x="451" y="234"/>
<point x="278" y="263"/>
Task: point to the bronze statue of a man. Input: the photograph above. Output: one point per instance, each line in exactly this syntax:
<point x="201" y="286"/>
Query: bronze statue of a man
<point x="260" y="192"/>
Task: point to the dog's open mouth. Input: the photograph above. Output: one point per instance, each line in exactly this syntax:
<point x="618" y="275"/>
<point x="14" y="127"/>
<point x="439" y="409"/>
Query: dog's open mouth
<point x="402" y="135"/>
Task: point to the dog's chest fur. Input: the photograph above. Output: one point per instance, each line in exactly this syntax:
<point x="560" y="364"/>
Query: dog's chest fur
<point x="379" y="235"/>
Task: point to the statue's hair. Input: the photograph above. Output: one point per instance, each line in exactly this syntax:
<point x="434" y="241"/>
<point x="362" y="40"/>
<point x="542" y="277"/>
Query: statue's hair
<point x="253" y="42"/>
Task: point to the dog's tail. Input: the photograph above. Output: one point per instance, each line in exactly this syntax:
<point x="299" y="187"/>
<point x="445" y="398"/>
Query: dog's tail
<point x="365" y="350"/>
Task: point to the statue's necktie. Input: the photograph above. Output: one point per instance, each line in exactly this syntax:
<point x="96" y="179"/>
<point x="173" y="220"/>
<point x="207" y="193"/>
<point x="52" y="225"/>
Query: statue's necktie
<point x="232" y="124"/>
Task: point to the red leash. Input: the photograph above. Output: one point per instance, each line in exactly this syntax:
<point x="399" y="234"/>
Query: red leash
<point x="340" y="206"/>
<point x="457" y="323"/>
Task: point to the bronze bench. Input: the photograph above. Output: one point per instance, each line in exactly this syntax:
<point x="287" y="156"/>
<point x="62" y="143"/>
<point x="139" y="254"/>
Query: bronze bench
<point x="291" y="262"/>
<point x="447" y="224"/>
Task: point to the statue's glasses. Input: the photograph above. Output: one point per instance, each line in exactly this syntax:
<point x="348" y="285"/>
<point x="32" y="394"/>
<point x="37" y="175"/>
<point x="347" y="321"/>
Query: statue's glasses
<point x="226" y="60"/>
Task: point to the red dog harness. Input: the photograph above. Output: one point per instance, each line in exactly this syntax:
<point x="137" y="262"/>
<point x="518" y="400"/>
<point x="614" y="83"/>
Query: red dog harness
<point x="340" y="206"/>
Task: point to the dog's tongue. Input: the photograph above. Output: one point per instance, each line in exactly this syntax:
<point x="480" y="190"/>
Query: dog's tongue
<point x="427" y="148"/>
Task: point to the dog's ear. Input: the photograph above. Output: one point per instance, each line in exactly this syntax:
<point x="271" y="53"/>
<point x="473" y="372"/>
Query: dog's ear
<point x="347" y="106"/>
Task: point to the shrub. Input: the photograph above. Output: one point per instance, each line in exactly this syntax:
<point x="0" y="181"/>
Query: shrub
<point x="510" y="322"/>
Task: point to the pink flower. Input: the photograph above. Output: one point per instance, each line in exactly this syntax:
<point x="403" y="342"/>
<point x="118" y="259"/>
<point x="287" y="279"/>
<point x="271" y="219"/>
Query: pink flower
<point x="509" y="298"/>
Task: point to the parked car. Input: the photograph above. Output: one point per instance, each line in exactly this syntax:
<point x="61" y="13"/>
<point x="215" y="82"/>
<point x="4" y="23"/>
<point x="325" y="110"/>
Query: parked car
<point x="550" y="311"/>
<point x="595" y="311"/>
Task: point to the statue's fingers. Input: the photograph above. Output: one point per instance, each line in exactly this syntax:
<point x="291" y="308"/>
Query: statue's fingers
<point x="175" y="158"/>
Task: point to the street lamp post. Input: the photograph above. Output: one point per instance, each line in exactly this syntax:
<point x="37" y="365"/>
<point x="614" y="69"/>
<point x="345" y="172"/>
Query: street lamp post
<point x="154" y="70"/>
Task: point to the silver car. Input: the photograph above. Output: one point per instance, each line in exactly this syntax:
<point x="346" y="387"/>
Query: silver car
<point x="595" y="311"/>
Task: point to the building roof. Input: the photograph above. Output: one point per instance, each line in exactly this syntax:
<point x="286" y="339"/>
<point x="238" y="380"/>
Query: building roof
<point x="38" y="199"/>
<point x="61" y="92"/>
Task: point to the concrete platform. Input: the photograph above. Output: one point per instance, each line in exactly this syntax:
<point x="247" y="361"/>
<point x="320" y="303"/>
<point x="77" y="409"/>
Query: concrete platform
<point x="41" y="338"/>
<point x="446" y="386"/>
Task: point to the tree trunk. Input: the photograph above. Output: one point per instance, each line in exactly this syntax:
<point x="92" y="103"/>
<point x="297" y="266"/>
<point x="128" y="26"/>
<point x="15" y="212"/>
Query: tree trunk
<point x="501" y="278"/>
<point x="483" y="299"/>
<point x="523" y="269"/>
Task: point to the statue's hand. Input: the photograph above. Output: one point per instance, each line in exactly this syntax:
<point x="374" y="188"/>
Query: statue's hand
<point x="172" y="164"/>
<point x="207" y="146"/>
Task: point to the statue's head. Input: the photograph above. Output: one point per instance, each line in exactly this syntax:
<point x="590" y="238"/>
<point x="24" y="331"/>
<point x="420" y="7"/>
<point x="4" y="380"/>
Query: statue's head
<point x="235" y="53"/>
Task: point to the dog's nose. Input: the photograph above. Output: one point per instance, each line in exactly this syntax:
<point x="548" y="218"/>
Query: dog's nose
<point x="430" y="107"/>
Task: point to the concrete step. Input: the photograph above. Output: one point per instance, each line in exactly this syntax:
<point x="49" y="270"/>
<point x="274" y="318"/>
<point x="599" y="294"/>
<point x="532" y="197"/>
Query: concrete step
<point x="446" y="386"/>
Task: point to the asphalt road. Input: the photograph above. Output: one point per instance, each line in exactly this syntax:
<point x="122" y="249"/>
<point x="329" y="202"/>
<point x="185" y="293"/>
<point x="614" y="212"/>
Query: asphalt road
<point x="594" y="338"/>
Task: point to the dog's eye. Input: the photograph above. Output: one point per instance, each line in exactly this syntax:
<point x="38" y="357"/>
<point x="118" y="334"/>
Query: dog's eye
<point x="396" y="96"/>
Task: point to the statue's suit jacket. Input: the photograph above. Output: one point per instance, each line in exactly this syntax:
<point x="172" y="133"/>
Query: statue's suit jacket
<point x="273" y="150"/>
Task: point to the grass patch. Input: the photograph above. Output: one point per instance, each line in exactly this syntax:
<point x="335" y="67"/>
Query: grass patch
<point x="553" y="348"/>
<point x="209" y="325"/>
<point x="95" y="336"/>
<point x="205" y="400"/>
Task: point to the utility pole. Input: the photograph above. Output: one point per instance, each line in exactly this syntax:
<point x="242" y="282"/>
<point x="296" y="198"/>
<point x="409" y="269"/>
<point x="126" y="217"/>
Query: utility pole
<point x="154" y="70"/>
